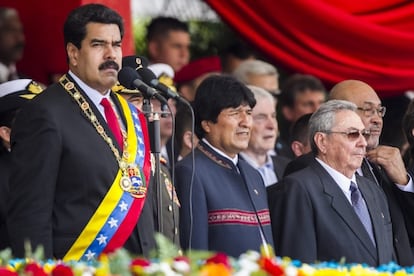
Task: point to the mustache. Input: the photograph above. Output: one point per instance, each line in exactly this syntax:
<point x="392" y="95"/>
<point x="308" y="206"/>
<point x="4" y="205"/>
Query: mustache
<point x="109" y="64"/>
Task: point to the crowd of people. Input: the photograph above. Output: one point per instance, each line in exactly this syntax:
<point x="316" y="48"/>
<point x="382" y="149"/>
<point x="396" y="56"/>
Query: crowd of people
<point x="89" y="164"/>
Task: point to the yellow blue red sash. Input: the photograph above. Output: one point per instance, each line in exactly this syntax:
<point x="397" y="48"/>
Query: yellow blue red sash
<point x="118" y="213"/>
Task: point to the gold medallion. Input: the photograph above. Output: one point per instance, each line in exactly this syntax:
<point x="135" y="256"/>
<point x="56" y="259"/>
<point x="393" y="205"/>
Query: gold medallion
<point x="125" y="183"/>
<point x="69" y="85"/>
<point x="85" y="106"/>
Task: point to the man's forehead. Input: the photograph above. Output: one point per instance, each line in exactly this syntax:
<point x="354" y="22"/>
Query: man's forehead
<point x="348" y="119"/>
<point x="371" y="103"/>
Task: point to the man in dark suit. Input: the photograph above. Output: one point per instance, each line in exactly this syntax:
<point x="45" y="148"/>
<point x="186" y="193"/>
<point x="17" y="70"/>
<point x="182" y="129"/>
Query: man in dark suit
<point x="80" y="154"/>
<point x="223" y="199"/>
<point x="383" y="165"/>
<point x="263" y="138"/>
<point x="13" y="95"/>
<point x="326" y="212"/>
<point x="12" y="42"/>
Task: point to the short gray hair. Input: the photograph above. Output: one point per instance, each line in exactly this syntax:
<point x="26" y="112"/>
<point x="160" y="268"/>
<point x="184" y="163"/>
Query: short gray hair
<point x="260" y="93"/>
<point x="254" y="67"/>
<point x="324" y="118"/>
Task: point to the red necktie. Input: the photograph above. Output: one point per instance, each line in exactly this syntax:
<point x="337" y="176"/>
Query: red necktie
<point x="112" y="121"/>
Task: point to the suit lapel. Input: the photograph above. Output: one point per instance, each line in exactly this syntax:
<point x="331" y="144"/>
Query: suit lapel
<point x="278" y="169"/>
<point x="343" y="208"/>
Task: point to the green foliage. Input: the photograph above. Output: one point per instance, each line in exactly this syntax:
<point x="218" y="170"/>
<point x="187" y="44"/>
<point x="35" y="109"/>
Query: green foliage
<point x="119" y="262"/>
<point x="207" y="38"/>
<point x="139" y="29"/>
<point x="165" y="248"/>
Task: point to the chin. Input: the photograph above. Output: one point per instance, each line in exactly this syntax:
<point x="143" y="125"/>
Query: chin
<point x="373" y="143"/>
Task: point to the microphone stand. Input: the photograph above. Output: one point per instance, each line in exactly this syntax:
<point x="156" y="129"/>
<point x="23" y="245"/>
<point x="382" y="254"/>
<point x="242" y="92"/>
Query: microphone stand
<point x="154" y="127"/>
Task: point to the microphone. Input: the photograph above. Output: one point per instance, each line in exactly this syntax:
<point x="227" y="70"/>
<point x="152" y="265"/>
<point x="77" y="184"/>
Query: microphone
<point x="129" y="78"/>
<point x="149" y="78"/>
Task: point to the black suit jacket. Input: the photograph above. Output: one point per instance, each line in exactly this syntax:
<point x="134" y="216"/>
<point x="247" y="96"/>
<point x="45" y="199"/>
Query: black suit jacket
<point x="279" y="165"/>
<point x="401" y="206"/>
<point x="312" y="220"/>
<point x="61" y="170"/>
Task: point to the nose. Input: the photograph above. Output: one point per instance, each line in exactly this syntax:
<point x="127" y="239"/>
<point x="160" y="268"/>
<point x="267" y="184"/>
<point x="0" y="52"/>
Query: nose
<point x="246" y="118"/>
<point x="271" y="122"/>
<point x="362" y="141"/>
<point x="110" y="52"/>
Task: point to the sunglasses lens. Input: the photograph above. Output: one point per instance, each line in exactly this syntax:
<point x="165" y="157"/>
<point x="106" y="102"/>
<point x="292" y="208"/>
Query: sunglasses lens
<point x="353" y="135"/>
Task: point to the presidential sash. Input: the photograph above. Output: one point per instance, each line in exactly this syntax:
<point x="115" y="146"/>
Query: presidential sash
<point x="118" y="213"/>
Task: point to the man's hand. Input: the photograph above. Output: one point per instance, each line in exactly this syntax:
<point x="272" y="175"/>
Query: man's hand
<point x="389" y="158"/>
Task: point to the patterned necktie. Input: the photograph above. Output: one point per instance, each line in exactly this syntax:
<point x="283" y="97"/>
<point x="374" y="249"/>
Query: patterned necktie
<point x="112" y="121"/>
<point x="360" y="207"/>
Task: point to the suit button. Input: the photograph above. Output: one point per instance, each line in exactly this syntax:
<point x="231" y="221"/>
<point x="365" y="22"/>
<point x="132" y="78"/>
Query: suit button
<point x="170" y="208"/>
<point x="396" y="240"/>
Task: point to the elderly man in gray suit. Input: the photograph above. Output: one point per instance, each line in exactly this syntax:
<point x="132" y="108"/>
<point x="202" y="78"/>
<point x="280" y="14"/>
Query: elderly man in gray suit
<point x="327" y="212"/>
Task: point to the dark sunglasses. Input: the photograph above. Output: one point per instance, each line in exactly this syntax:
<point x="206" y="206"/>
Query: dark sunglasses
<point x="353" y="134"/>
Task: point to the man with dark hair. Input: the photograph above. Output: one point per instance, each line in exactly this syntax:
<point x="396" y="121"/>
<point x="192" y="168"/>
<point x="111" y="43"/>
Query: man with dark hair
<point x="12" y="42"/>
<point x="185" y="139"/>
<point x="80" y="154"/>
<point x="299" y="136"/>
<point x="168" y="41"/>
<point x="219" y="192"/>
<point x="300" y="94"/>
<point x="234" y="54"/>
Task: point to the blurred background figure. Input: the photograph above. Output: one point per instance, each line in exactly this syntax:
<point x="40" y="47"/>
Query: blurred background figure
<point x="12" y="42"/>
<point x="263" y="138"/>
<point x="299" y="136"/>
<point x="234" y="54"/>
<point x="258" y="73"/>
<point x="300" y="94"/>
<point x="13" y="95"/>
<point x="168" y="41"/>
<point x="408" y="127"/>
<point x="185" y="139"/>
<point x="190" y="76"/>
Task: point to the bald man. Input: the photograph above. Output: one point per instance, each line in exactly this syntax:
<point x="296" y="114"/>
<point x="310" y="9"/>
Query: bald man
<point x="383" y="165"/>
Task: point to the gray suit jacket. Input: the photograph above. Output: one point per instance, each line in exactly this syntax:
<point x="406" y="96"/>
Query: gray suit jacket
<point x="312" y="220"/>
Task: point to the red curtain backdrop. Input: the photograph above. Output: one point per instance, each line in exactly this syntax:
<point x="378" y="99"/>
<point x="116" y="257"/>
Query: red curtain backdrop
<point x="370" y="40"/>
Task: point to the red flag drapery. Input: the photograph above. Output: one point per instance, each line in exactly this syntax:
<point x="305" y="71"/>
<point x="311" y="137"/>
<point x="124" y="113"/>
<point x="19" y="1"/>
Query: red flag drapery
<point x="370" y="40"/>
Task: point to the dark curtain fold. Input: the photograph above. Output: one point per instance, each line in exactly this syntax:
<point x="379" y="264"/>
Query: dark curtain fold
<point x="334" y="40"/>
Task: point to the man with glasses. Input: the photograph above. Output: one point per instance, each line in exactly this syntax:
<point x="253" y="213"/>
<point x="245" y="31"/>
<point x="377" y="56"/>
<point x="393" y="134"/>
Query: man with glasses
<point x="383" y="165"/>
<point x="327" y="212"/>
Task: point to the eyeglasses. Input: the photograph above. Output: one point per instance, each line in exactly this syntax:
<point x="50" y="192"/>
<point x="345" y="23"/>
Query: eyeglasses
<point x="353" y="135"/>
<point x="370" y="111"/>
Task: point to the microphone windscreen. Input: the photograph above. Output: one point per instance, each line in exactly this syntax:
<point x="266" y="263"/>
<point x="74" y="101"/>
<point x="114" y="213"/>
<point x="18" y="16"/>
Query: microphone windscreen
<point x="126" y="77"/>
<point x="135" y="62"/>
<point x="146" y="74"/>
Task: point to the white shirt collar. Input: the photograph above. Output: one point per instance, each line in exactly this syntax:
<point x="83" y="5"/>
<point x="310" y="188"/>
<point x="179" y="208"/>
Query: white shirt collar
<point x="343" y="182"/>
<point x="94" y="95"/>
